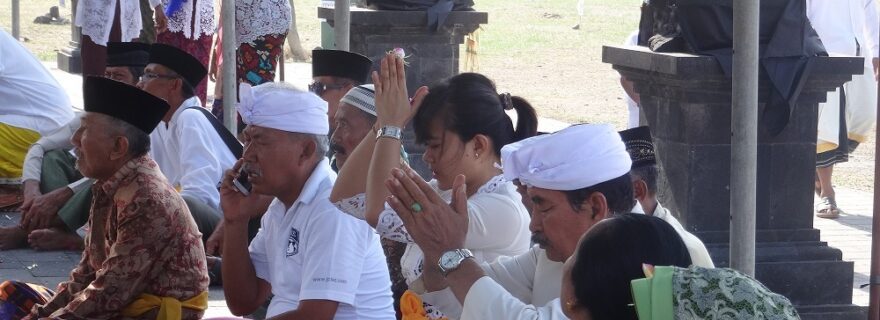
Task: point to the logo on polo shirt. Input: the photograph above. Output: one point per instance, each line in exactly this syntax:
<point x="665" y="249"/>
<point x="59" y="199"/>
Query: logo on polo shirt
<point x="293" y="242"/>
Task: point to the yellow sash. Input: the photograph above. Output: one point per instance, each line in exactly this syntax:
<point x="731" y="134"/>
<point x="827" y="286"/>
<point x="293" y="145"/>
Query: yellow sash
<point x="169" y="308"/>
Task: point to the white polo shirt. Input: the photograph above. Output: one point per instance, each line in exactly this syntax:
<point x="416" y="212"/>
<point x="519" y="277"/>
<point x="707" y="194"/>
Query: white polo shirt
<point x="313" y="251"/>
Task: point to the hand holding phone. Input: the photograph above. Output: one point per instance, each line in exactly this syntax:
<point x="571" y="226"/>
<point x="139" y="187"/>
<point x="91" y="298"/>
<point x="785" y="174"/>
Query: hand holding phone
<point x="241" y="182"/>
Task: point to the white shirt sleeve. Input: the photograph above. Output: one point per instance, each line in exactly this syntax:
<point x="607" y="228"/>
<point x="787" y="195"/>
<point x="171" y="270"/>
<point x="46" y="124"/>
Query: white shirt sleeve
<point x="59" y="139"/>
<point x="356" y="206"/>
<point x="515" y="274"/>
<point x="492" y="224"/>
<point x="488" y="300"/>
<point x="872" y="28"/>
<point x="258" y="253"/>
<point x="199" y="162"/>
<point x="80" y="184"/>
<point x="336" y="247"/>
<point x="488" y="213"/>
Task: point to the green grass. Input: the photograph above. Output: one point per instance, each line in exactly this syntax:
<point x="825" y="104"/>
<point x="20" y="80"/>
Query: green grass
<point x="42" y="39"/>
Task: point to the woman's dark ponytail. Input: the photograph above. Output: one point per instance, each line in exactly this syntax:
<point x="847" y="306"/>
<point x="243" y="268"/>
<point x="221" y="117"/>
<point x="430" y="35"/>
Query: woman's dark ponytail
<point x="526" y="119"/>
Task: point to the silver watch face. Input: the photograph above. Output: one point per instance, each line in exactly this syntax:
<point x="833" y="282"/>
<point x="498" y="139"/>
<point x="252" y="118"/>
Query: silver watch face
<point x="450" y="260"/>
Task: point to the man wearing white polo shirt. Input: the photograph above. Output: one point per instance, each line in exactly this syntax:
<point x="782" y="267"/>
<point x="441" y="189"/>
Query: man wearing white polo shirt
<point x="318" y="262"/>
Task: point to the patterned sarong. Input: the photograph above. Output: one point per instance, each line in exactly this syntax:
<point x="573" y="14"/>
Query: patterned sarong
<point x="256" y="61"/>
<point x="17" y="298"/>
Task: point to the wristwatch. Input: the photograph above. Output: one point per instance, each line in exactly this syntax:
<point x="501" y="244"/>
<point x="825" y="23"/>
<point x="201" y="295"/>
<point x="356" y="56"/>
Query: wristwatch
<point x="450" y="260"/>
<point x="390" y="132"/>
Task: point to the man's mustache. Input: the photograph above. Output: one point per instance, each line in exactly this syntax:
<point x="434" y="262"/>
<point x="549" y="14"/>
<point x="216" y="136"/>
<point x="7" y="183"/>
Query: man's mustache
<point x="248" y="169"/>
<point x="337" y="148"/>
<point x="539" y="238"/>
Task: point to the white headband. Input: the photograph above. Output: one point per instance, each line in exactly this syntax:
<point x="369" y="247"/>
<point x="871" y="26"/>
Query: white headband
<point x="281" y="106"/>
<point x="573" y="158"/>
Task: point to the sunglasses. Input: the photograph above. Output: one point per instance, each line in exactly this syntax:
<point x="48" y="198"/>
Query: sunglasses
<point x="319" y="88"/>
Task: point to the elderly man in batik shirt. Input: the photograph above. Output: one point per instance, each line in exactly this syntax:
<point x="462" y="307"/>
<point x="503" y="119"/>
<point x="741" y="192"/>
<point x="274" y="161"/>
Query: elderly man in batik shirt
<point x="143" y="255"/>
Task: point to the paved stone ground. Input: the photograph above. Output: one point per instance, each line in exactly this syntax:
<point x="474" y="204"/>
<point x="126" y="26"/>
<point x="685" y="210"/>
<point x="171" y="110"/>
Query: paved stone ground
<point x="851" y="233"/>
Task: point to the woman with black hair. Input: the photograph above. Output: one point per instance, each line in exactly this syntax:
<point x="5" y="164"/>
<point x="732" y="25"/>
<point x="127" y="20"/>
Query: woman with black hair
<point x="463" y="123"/>
<point x="612" y="276"/>
<point x="596" y="279"/>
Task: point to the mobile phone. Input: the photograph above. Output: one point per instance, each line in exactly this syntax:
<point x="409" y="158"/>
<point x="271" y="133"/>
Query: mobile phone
<point x="241" y="183"/>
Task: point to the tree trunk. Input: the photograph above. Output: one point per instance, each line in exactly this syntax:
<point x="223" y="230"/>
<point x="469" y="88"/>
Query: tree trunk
<point x="294" y="44"/>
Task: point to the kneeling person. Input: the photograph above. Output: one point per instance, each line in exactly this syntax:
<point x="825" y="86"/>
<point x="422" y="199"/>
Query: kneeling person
<point x="318" y="262"/>
<point x="142" y="249"/>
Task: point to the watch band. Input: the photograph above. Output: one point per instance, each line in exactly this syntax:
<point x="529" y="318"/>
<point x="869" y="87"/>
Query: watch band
<point x="452" y="259"/>
<point x="390" y="132"/>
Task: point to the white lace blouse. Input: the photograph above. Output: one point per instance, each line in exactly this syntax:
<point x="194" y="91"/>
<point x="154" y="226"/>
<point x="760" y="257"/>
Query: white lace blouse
<point x="255" y="18"/>
<point x="95" y="17"/>
<point x="498" y="224"/>
<point x="182" y="20"/>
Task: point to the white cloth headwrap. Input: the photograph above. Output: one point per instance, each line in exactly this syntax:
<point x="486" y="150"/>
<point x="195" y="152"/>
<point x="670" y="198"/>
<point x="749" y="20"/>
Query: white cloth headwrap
<point x="573" y="158"/>
<point x="362" y="97"/>
<point x="282" y="106"/>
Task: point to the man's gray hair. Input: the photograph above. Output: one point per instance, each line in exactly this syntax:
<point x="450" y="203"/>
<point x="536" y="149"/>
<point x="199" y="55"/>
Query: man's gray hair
<point x="138" y="141"/>
<point x="322" y="142"/>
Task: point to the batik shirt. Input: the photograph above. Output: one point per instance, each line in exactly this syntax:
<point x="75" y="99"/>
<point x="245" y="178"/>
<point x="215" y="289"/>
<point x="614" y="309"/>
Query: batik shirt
<point x="142" y="240"/>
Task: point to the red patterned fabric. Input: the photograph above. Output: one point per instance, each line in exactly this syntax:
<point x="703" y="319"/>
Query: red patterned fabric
<point x="142" y="240"/>
<point x="200" y="48"/>
<point x="256" y="61"/>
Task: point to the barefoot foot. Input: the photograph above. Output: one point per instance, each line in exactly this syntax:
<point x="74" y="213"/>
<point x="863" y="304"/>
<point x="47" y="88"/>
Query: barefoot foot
<point x="12" y="237"/>
<point x="54" y="239"/>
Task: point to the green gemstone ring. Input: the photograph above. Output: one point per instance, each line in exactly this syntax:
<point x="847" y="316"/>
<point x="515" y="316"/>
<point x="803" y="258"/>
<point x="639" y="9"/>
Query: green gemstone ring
<point x="416" y="207"/>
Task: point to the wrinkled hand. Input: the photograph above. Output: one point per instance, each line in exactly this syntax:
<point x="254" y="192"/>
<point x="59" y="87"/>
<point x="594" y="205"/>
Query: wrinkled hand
<point x="393" y="106"/>
<point x="161" y="19"/>
<point x="236" y="206"/>
<point x="44" y="209"/>
<point x="438" y="227"/>
<point x="31" y="191"/>
<point x="214" y="245"/>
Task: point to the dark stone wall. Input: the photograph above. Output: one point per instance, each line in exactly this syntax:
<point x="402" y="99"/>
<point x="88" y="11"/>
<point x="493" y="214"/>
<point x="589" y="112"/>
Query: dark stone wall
<point x="686" y="101"/>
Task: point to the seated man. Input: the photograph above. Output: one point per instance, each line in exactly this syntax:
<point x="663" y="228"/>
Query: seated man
<point x="318" y="262"/>
<point x="143" y="253"/>
<point x="355" y="121"/>
<point x="334" y="73"/>
<point x="644" y="173"/>
<point x="574" y="178"/>
<point x="190" y="149"/>
<point x="56" y="195"/>
<point x="32" y="104"/>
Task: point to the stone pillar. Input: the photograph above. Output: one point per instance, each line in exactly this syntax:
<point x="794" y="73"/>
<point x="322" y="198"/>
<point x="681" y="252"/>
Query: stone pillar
<point x="686" y="100"/>
<point x="433" y="56"/>
<point x="69" y="58"/>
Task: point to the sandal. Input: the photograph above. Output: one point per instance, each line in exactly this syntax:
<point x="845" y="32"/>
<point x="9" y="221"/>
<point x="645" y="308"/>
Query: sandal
<point x="827" y="208"/>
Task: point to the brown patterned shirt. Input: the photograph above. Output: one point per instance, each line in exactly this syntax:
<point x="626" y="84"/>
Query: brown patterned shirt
<point x="142" y="240"/>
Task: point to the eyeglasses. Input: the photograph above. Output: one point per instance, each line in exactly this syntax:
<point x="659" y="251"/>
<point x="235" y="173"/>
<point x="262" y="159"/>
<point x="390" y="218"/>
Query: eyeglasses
<point x="319" y="88"/>
<point x="152" y="75"/>
<point x="118" y="76"/>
